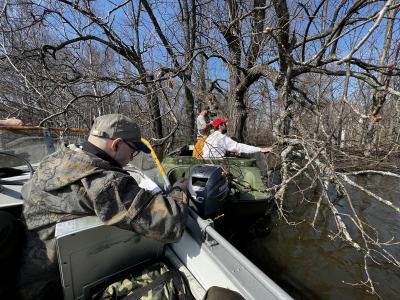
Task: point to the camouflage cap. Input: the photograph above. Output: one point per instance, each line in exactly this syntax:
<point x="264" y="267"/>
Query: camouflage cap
<point x="114" y="126"/>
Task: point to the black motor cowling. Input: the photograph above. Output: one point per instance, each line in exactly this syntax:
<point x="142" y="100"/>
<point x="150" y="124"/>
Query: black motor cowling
<point x="208" y="189"/>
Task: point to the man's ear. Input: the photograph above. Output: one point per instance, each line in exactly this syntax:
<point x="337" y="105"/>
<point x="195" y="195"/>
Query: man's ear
<point x="115" y="143"/>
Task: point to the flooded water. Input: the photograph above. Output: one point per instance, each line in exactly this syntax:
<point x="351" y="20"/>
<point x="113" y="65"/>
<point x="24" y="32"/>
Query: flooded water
<point x="309" y="265"/>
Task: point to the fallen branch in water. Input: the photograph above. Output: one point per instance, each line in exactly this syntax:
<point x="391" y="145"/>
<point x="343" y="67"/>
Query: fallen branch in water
<point x="364" y="172"/>
<point x="317" y="164"/>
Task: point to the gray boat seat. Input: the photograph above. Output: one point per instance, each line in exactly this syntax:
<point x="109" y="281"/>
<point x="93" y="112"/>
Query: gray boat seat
<point x="89" y="251"/>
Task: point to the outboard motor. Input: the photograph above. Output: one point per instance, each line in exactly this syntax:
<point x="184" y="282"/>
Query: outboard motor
<point x="208" y="189"/>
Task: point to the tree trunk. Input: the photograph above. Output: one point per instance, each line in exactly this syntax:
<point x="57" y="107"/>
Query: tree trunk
<point x="370" y="137"/>
<point x="238" y="120"/>
<point x="189" y="115"/>
<point x="189" y="28"/>
<point x="154" y="110"/>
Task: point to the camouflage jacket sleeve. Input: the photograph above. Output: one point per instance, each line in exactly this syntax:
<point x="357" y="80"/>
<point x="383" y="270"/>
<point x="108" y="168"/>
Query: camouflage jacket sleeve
<point x="121" y="202"/>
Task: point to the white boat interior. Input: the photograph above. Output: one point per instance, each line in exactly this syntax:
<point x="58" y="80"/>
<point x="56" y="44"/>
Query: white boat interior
<point x="89" y="252"/>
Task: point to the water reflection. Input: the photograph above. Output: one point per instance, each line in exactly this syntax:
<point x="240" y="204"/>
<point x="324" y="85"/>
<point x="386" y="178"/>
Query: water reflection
<point x="309" y="265"/>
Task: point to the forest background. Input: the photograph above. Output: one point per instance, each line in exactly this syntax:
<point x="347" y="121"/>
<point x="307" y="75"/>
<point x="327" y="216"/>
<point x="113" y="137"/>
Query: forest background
<point x="319" y="80"/>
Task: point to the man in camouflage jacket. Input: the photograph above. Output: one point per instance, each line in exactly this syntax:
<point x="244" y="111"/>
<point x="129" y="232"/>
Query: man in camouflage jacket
<point x="75" y="182"/>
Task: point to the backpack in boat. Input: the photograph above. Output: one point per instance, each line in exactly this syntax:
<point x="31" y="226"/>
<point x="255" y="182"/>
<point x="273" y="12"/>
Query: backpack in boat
<point x="155" y="281"/>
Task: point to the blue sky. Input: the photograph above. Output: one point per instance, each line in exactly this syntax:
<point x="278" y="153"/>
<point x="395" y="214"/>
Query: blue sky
<point x="216" y="68"/>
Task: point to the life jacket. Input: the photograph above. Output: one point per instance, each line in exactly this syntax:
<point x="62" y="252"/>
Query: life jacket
<point x="198" y="147"/>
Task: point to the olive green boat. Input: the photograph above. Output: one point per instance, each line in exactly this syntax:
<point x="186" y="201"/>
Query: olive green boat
<point x="235" y="183"/>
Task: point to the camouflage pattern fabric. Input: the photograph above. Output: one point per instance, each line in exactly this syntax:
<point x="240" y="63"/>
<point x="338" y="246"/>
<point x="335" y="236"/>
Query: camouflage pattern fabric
<point x="172" y="288"/>
<point x="72" y="183"/>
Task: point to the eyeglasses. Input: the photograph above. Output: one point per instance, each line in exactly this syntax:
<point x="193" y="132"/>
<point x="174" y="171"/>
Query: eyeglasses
<point x="134" y="150"/>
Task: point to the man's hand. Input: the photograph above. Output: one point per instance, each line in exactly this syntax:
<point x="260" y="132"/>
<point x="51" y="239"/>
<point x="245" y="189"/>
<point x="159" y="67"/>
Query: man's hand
<point x="182" y="184"/>
<point x="11" y="122"/>
<point x="266" y="149"/>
